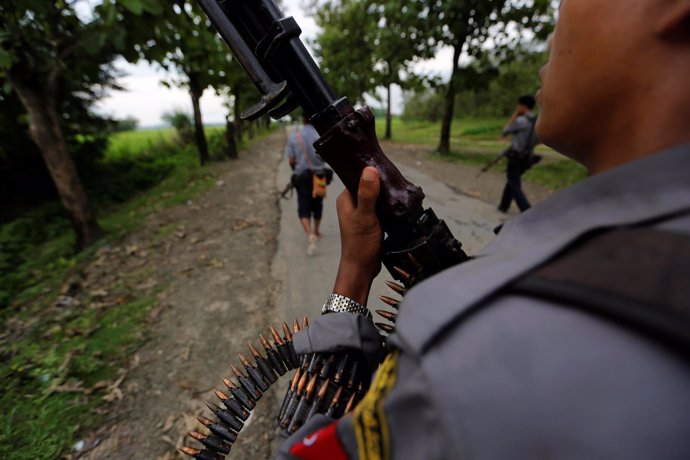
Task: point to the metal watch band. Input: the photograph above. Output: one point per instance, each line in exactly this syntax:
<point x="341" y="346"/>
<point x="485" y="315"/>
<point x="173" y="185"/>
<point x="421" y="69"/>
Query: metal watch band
<point x="336" y="303"/>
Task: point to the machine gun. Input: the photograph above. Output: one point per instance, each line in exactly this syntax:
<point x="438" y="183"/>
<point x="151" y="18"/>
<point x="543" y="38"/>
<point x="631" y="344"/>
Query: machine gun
<point x="417" y="244"/>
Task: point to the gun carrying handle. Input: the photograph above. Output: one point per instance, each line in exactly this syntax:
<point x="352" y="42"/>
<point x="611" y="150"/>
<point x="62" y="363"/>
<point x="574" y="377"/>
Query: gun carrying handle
<point x="351" y="145"/>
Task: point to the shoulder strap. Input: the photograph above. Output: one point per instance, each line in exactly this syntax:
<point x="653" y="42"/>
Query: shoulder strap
<point x="639" y="277"/>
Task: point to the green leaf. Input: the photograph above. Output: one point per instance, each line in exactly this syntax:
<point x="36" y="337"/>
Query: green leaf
<point x="5" y="59"/>
<point x="153" y="6"/>
<point x="135" y="6"/>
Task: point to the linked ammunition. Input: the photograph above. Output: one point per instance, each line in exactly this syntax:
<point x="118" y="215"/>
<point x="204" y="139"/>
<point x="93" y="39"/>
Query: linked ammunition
<point x="218" y="429"/>
<point x="292" y="406"/>
<point x="334" y="402"/>
<point x="350" y="404"/>
<point x="295" y="326"/>
<point x="214" y="443"/>
<point x="232" y="405"/>
<point x="390" y="301"/>
<point x="287" y="335"/>
<point x="247" y="385"/>
<point x="314" y="363"/>
<point x="387" y="315"/>
<point x="303" y="406"/>
<point x="273" y="357"/>
<point x="200" y="454"/>
<point x="387" y="328"/>
<point x="317" y="401"/>
<point x="327" y="366"/>
<point x="254" y="373"/>
<point x="396" y="287"/>
<point x="263" y="364"/>
<point x="340" y="369"/>
<point x="239" y="394"/>
<point x="289" y="394"/>
<point x="350" y="385"/>
<point x="282" y="348"/>
<point x="226" y="417"/>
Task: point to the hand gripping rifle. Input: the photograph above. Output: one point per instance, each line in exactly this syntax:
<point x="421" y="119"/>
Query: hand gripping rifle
<point x="417" y="244"/>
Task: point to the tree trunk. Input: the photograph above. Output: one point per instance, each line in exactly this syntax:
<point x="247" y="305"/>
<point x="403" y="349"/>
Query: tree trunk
<point x="201" y="144"/>
<point x="388" y="115"/>
<point x="45" y="130"/>
<point x="449" y="105"/>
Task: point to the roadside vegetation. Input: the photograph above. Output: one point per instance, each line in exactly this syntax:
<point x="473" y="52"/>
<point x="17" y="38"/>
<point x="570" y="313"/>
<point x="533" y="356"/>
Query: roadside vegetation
<point x="476" y="141"/>
<point x="70" y="328"/>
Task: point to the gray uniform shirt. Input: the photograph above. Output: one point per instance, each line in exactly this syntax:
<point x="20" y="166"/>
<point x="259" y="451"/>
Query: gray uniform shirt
<point x="482" y="376"/>
<point x="524" y="136"/>
<point x="296" y="149"/>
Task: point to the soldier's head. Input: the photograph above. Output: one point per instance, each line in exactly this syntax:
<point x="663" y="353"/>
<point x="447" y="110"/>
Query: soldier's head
<point x="525" y="104"/>
<point x="616" y="85"/>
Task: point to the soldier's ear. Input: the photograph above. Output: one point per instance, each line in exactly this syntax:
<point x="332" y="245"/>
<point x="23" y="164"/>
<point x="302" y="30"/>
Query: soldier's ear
<point x="674" y="23"/>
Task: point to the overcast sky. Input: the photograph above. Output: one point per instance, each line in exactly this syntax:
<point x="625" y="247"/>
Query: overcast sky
<point x="146" y="100"/>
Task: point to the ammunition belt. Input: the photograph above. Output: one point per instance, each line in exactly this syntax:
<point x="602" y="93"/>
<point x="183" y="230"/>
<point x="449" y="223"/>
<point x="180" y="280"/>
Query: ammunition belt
<point x="323" y="383"/>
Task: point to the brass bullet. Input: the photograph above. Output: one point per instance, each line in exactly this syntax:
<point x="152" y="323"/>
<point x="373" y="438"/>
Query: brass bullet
<point x="334" y="401"/>
<point x="276" y="337"/>
<point x="385" y="327"/>
<point x="415" y="263"/>
<point x="350" y="404"/>
<point x="295" y="326"/>
<point x="222" y="396"/>
<point x="214" y="443"/>
<point x="238" y="373"/>
<point x="390" y="301"/>
<point x="264" y="365"/>
<point x="396" y="287"/>
<point x="323" y="390"/>
<point x="305" y="323"/>
<point x="302" y="384"/>
<point x="387" y="315"/>
<point x="295" y="380"/>
<point x="311" y="387"/>
<point x="265" y="343"/>
<point x="403" y="274"/>
<point x="245" y="362"/>
<point x="286" y="332"/>
<point x="218" y="429"/>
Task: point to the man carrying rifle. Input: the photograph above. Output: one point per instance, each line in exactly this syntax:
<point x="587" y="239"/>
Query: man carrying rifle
<point x="520" y="154"/>
<point x="568" y="336"/>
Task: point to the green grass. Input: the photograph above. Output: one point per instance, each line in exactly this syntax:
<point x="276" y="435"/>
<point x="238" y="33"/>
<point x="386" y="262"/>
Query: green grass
<point x="477" y="141"/>
<point x="43" y="346"/>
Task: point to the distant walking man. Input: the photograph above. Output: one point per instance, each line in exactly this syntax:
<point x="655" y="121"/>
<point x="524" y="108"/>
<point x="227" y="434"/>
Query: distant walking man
<point x="520" y="154"/>
<point x="305" y="162"/>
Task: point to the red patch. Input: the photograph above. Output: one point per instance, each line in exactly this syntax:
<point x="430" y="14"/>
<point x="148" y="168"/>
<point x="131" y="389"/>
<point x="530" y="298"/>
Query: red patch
<point x="320" y="445"/>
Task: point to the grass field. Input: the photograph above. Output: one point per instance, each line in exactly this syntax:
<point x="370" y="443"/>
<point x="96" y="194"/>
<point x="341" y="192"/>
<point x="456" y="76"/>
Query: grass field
<point x="48" y="360"/>
<point x="477" y="141"/>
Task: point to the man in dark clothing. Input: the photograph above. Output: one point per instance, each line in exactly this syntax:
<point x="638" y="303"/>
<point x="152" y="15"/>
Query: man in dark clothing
<point x="520" y="154"/>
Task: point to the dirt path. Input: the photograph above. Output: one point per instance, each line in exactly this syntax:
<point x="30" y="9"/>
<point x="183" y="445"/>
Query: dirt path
<point x="218" y="256"/>
<point x="217" y="262"/>
<point x="463" y="178"/>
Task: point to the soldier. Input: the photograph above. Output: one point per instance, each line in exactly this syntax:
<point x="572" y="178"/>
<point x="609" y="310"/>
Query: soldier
<point x="567" y="338"/>
<point x="520" y="154"/>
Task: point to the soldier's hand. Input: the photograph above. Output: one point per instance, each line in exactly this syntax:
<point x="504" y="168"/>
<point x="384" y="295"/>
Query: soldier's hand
<point x="361" y="236"/>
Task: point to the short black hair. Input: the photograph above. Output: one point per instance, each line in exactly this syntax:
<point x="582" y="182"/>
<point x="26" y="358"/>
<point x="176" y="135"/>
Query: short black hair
<point x="528" y="101"/>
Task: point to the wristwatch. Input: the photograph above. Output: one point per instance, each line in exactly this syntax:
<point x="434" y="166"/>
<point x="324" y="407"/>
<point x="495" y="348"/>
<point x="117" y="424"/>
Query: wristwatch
<point x="336" y="303"/>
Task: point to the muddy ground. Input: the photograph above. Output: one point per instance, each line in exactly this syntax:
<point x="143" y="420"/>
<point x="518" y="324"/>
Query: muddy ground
<point x="217" y="266"/>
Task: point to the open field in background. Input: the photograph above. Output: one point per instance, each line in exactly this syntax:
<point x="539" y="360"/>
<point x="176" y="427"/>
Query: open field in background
<point x="476" y="141"/>
<point x="59" y="359"/>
